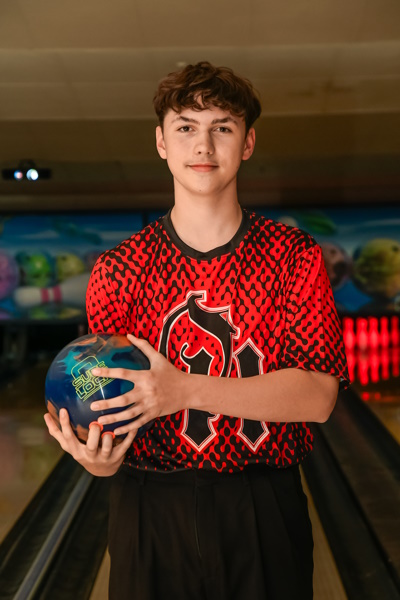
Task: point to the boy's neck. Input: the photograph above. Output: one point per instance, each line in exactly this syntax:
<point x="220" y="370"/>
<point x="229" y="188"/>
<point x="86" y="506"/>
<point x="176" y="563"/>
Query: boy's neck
<point x="204" y="227"/>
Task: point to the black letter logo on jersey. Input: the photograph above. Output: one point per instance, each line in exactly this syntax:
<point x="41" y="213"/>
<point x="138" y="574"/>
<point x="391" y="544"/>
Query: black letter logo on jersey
<point x="202" y="343"/>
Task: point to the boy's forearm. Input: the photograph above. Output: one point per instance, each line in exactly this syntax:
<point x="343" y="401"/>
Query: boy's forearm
<point x="287" y="395"/>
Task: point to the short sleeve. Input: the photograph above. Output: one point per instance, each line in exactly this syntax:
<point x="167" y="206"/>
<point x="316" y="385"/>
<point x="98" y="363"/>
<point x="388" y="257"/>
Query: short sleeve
<point x="103" y="306"/>
<point x="313" y="334"/>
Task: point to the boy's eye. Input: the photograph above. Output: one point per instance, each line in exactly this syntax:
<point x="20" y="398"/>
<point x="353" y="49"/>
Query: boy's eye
<point x="184" y="128"/>
<point x="223" y="129"/>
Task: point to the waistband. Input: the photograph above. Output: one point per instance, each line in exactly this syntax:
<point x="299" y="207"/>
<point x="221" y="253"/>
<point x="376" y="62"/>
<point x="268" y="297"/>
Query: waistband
<point x="206" y="476"/>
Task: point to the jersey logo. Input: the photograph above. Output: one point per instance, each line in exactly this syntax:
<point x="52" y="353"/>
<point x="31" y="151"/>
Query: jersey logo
<point x="199" y="339"/>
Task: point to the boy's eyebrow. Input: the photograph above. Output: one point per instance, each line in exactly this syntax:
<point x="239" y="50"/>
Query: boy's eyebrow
<point x="214" y="122"/>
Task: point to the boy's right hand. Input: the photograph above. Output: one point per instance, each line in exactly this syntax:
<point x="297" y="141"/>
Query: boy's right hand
<point x="100" y="460"/>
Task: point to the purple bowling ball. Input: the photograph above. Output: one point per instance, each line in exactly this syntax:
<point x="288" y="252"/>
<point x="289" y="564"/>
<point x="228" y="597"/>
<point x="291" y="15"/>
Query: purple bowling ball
<point x="9" y="274"/>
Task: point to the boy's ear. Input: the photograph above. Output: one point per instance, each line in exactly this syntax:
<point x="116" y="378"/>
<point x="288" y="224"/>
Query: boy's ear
<point x="249" y="144"/>
<point x="160" y="142"/>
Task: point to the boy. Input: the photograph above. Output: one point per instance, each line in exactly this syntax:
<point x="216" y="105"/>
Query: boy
<point x="235" y="313"/>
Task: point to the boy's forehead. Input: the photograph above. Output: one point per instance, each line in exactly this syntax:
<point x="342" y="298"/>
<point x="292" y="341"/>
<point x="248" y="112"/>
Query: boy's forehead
<point x="206" y="115"/>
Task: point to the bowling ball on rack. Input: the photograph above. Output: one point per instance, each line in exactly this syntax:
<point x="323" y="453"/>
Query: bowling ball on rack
<point x="70" y="383"/>
<point x="36" y="268"/>
<point x="9" y="274"/>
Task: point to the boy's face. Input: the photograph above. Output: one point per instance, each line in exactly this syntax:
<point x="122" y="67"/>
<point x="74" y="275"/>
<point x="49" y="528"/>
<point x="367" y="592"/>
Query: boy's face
<point x="204" y="149"/>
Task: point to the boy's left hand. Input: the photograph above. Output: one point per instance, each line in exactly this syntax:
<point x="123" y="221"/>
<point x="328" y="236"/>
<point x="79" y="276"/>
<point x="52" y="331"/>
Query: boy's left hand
<point x="157" y="392"/>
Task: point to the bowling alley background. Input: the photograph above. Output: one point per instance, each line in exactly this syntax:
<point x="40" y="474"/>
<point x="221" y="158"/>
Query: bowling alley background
<point x="45" y="261"/>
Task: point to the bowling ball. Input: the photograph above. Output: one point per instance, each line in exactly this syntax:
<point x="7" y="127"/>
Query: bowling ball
<point x="377" y="269"/>
<point x="91" y="258"/>
<point x="338" y="264"/>
<point x="71" y="385"/>
<point x="9" y="274"/>
<point x="68" y="265"/>
<point x="36" y="268"/>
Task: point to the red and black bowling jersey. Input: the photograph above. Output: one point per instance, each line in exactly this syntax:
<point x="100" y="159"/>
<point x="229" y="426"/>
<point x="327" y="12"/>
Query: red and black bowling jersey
<point x="259" y="303"/>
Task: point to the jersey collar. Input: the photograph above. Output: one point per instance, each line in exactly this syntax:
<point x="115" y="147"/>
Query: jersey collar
<point x="227" y="248"/>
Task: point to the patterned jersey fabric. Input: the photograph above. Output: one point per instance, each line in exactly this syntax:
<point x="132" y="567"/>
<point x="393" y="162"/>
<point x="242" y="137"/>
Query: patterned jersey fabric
<point x="260" y="303"/>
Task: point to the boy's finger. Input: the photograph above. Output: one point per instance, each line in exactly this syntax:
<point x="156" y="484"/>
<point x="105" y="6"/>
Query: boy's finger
<point x="123" y="447"/>
<point x="93" y="440"/>
<point x="52" y="426"/>
<point x="143" y="345"/>
<point x="107" y="442"/>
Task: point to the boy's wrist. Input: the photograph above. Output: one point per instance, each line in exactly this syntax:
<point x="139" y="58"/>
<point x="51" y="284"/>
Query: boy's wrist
<point x="192" y="391"/>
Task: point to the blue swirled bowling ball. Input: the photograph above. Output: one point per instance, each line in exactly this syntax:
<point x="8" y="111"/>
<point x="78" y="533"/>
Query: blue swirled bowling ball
<point x="70" y="383"/>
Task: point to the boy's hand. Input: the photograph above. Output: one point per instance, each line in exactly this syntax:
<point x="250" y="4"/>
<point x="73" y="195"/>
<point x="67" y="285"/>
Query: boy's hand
<point x="100" y="460"/>
<point x="157" y="392"/>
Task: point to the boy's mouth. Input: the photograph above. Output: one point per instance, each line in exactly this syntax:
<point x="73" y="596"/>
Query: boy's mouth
<point x="203" y="167"/>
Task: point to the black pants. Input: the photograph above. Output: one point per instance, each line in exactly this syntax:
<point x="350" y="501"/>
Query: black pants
<point x="198" y="535"/>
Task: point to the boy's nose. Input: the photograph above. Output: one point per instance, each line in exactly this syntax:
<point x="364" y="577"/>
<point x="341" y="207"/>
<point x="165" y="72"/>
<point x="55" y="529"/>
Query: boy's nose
<point x="204" y="145"/>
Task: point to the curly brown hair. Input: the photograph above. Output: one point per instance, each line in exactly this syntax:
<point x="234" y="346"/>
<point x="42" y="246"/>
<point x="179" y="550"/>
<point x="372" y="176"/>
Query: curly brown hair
<point x="203" y="85"/>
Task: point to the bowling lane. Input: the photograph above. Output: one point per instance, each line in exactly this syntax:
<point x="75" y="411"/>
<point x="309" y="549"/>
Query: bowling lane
<point x="389" y="415"/>
<point x="382" y="396"/>
<point x="28" y="453"/>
